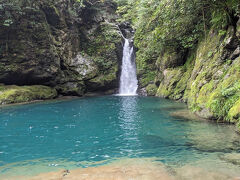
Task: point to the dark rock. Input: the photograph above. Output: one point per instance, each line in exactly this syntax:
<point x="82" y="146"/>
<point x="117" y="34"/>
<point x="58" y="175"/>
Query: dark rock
<point x="238" y="29"/>
<point x="142" y="92"/>
<point x="59" y="43"/>
<point x="230" y="44"/>
<point x="171" y="59"/>
<point x="52" y="15"/>
<point x="236" y="53"/>
<point x="127" y="30"/>
<point x="71" y="89"/>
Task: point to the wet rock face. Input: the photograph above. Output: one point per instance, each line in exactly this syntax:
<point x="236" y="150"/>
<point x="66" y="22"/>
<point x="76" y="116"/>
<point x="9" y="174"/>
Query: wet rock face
<point x="57" y="43"/>
<point x="208" y="80"/>
<point x="238" y="29"/>
<point x="126" y="30"/>
<point x="84" y="65"/>
<point x="171" y="59"/>
<point x="27" y="52"/>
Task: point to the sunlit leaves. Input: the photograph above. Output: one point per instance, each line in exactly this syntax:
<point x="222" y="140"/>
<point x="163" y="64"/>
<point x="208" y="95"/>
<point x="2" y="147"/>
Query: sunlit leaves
<point x="8" y="22"/>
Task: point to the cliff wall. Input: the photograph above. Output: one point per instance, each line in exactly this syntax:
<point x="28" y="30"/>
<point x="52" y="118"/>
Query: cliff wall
<point x="70" y="46"/>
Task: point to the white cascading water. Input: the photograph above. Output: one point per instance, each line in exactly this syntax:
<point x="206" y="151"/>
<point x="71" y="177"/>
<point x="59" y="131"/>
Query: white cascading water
<point x="128" y="79"/>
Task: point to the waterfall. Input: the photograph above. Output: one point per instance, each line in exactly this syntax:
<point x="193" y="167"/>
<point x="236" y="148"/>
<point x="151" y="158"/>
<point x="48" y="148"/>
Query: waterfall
<point x="128" y="79"/>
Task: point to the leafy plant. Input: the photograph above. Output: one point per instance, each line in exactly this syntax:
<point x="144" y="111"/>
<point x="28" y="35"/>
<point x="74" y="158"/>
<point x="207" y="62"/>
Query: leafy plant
<point x="8" y="22"/>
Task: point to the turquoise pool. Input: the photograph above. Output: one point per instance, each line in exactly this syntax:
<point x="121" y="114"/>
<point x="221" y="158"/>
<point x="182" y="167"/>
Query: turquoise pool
<point x="94" y="131"/>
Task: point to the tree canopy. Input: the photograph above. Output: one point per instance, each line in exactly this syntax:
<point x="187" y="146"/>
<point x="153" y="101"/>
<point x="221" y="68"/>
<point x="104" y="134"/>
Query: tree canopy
<point x="175" y="24"/>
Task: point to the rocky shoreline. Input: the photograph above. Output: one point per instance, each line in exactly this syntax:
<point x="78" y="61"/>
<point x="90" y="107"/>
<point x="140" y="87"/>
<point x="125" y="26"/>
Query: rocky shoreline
<point x="136" y="168"/>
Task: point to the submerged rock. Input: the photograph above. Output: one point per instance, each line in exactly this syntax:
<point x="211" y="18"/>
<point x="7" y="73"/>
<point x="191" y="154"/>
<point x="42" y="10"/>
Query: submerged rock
<point x="186" y="114"/>
<point x="233" y="158"/>
<point x="205" y="113"/>
<point x="223" y="140"/>
<point x="191" y="172"/>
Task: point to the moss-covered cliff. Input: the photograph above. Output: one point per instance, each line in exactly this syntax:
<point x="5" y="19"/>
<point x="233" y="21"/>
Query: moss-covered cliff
<point x="209" y="80"/>
<point x="74" y="47"/>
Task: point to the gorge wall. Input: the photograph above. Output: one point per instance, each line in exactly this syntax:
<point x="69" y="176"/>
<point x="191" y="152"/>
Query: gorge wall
<point x="207" y="77"/>
<point x="69" y="46"/>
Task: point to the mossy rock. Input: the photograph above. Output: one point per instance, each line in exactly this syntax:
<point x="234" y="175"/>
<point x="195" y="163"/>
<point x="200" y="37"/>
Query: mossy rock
<point x="213" y="87"/>
<point x="163" y="92"/>
<point x="170" y="59"/>
<point x="167" y="87"/>
<point x="146" y="78"/>
<point x="19" y="94"/>
<point x="234" y="112"/>
<point x="71" y="88"/>
<point x="151" y="90"/>
<point x="223" y="100"/>
<point x="103" y="82"/>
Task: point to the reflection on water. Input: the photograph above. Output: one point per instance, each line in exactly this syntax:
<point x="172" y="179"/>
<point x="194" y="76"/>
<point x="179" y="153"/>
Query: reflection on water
<point x="128" y="114"/>
<point x="129" y="124"/>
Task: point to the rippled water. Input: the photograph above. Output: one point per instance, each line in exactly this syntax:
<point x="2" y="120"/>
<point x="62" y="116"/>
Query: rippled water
<point x="95" y="131"/>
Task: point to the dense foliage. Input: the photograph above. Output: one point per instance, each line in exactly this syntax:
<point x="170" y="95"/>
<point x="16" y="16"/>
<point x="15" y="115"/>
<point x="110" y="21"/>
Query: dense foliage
<point x="175" y="24"/>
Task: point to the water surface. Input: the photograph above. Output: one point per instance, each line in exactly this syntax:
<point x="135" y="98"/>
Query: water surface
<point x="95" y="131"/>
